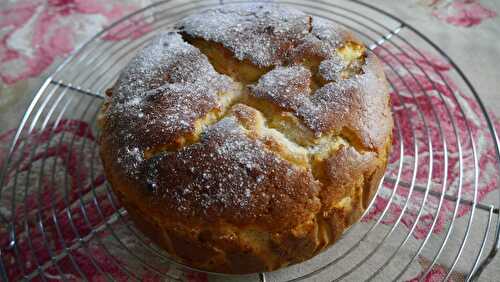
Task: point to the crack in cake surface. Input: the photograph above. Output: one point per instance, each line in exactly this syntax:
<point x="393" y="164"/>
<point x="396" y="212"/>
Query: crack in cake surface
<point x="246" y="76"/>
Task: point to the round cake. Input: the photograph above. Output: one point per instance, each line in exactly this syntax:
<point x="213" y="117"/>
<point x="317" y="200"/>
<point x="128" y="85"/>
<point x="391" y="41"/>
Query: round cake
<point x="248" y="139"/>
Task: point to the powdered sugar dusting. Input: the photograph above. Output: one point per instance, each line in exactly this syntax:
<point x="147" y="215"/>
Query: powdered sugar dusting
<point x="166" y="61"/>
<point x="242" y="181"/>
<point x="159" y="96"/>
<point x="231" y="152"/>
<point x="331" y="68"/>
<point x="270" y="35"/>
<point x="264" y="34"/>
<point x="324" y="110"/>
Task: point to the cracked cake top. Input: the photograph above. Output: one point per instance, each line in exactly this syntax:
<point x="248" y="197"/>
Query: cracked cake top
<point x="248" y="115"/>
<point x="170" y="96"/>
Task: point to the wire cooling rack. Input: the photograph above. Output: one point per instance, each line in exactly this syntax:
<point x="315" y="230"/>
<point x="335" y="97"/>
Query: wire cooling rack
<point x="436" y="178"/>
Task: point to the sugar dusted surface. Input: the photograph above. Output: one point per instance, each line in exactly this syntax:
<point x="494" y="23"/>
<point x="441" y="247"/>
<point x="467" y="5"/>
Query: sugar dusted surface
<point x="266" y="35"/>
<point x="332" y="68"/>
<point x="227" y="173"/>
<point x="160" y="95"/>
<point x="245" y="183"/>
<point x="322" y="111"/>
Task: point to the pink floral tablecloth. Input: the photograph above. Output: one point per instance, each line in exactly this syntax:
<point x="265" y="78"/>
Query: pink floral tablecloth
<point x="35" y="35"/>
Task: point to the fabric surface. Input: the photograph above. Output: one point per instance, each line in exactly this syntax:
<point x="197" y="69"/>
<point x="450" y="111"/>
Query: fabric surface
<point x="36" y="35"/>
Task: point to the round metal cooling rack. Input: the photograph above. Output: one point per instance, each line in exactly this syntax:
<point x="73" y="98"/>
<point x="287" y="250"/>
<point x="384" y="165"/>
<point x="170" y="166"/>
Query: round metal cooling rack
<point x="436" y="170"/>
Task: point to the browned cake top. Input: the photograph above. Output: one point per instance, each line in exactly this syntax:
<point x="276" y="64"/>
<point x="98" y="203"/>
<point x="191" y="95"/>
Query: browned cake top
<point x="221" y="120"/>
<point x="228" y="175"/>
<point x="264" y="34"/>
<point x="163" y="91"/>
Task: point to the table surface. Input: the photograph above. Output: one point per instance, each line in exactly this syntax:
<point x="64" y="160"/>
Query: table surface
<point x="34" y="39"/>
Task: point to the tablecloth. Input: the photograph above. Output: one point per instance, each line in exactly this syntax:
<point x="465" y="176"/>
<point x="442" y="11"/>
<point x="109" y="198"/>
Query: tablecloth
<point x="36" y="35"/>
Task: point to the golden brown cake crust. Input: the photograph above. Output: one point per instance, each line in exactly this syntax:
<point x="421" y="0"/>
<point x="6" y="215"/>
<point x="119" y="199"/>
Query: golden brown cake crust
<point x="249" y="139"/>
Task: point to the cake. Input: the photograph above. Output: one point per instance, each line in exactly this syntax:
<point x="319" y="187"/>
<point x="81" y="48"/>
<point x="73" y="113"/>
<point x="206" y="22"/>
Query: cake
<point x="248" y="138"/>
